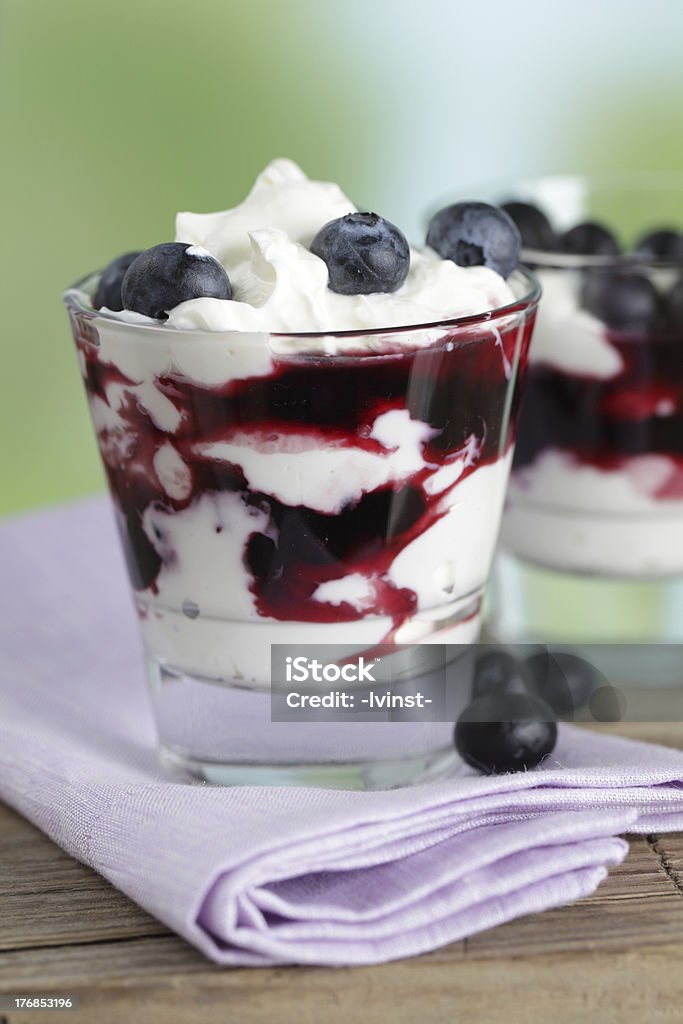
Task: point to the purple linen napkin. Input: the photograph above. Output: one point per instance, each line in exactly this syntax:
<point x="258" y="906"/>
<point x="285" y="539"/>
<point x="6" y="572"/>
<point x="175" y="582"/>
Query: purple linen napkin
<point x="267" y="875"/>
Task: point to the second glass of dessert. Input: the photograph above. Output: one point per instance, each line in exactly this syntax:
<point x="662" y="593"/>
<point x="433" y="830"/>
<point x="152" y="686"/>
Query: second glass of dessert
<point x="592" y="538"/>
<point x="307" y="429"/>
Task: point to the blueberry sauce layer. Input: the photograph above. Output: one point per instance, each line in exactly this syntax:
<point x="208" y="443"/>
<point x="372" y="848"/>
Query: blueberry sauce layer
<point x="463" y="390"/>
<point x="603" y="423"/>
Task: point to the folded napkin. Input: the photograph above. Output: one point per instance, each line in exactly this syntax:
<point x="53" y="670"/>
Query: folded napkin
<point x="274" y="875"/>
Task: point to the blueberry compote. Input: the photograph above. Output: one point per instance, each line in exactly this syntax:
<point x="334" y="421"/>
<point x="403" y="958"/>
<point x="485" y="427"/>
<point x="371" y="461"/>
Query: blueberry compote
<point x="604" y="423"/>
<point x="448" y="410"/>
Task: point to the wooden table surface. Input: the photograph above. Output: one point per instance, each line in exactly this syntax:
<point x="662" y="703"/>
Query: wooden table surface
<point x="616" y="956"/>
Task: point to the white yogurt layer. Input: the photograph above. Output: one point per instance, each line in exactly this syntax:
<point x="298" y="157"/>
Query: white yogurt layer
<point x="234" y="651"/>
<point x="583" y="519"/>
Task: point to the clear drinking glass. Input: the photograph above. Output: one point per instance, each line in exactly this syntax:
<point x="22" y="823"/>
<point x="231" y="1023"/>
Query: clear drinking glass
<point x="592" y="535"/>
<point x="301" y="489"/>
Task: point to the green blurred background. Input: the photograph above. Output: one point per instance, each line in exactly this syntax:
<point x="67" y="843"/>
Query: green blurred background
<point x="116" y="115"/>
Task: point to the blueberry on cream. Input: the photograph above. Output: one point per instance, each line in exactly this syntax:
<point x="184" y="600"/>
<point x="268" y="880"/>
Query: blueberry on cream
<point x="623" y="300"/>
<point x="108" y="291"/>
<point x="589" y="239"/>
<point x="533" y="225"/>
<point x="663" y="243"/>
<point x="476" y="234"/>
<point x="363" y="253"/>
<point x="168" y="274"/>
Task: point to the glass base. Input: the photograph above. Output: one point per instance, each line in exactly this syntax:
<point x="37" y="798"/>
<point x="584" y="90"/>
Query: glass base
<point x="531" y="604"/>
<point x="222" y="733"/>
<point x="365" y="775"/>
<point x="631" y="631"/>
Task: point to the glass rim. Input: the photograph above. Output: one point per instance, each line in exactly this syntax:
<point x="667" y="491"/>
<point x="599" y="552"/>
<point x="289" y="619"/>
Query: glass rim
<point x="542" y="260"/>
<point x="627" y="180"/>
<point x="72" y="298"/>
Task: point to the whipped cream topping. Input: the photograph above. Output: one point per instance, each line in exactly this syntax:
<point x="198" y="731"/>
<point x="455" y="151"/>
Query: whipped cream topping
<point x="279" y="286"/>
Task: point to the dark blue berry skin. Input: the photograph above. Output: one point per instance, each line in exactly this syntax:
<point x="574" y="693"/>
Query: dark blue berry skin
<point x="607" y="703"/>
<point x="476" y="234"/>
<point x="364" y="254"/>
<point x="665" y="243"/>
<point x="109" y="288"/>
<point x="563" y="680"/>
<point x="167" y="274"/>
<point x="142" y="558"/>
<point x="505" y="732"/>
<point x="623" y="300"/>
<point x="497" y="671"/>
<point x="534" y="227"/>
<point x="589" y="239"/>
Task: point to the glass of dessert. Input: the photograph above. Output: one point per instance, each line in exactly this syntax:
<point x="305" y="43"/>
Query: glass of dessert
<point x="592" y="537"/>
<point x="307" y="428"/>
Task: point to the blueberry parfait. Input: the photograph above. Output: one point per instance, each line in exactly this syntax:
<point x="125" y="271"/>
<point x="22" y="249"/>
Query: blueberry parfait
<point x="306" y="424"/>
<point x="597" y="483"/>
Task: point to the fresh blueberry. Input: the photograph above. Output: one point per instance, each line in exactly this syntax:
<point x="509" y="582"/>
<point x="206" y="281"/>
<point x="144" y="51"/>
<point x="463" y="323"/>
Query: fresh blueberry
<point x="623" y="300"/>
<point x="262" y="558"/>
<point x="476" y="234"/>
<point x="170" y="273"/>
<point x="364" y="254"/>
<point x="665" y="243"/>
<point x="305" y="538"/>
<point x="142" y="559"/>
<point x="534" y="227"/>
<point x="674" y="305"/>
<point x="497" y="671"/>
<point x="607" y="703"/>
<point x="505" y="732"/>
<point x="109" y="288"/>
<point x="589" y="239"/>
<point x="562" y="680"/>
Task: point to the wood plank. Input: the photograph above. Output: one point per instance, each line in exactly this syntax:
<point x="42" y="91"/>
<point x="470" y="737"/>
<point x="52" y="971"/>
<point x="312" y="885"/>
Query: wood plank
<point x="669" y="850"/>
<point x="585" y="927"/>
<point x="91" y="915"/>
<point x="48" y="898"/>
<point x="651" y="705"/>
<point x="123" y="982"/>
<point x="669" y="734"/>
